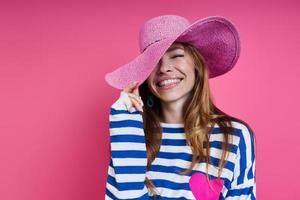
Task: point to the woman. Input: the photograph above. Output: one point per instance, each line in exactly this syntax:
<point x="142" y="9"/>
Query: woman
<point x="179" y="145"/>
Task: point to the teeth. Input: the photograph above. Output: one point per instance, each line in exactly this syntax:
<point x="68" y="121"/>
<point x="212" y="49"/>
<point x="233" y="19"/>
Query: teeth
<point x="168" y="82"/>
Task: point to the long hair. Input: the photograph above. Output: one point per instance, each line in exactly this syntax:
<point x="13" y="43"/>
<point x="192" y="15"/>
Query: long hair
<point x="200" y="116"/>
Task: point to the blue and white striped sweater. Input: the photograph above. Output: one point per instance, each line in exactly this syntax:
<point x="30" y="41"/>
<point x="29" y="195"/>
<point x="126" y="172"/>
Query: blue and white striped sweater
<point x="127" y="169"/>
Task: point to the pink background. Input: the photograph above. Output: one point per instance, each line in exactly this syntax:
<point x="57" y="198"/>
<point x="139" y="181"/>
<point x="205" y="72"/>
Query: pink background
<point x="54" y="103"/>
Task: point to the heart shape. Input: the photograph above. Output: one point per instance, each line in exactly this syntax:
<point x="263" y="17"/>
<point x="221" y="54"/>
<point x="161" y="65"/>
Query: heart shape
<point x="201" y="189"/>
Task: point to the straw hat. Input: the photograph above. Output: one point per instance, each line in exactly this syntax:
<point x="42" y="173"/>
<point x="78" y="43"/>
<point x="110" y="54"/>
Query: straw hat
<point x="215" y="37"/>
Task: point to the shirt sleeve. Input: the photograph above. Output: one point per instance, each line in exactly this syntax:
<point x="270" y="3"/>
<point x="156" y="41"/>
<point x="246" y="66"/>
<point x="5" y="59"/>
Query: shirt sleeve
<point x="128" y="160"/>
<point x="243" y="185"/>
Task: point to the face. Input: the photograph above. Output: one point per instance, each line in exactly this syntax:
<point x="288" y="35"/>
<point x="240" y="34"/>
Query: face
<point x="174" y="76"/>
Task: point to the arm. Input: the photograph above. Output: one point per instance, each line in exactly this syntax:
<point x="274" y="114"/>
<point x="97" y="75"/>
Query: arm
<point x="127" y="168"/>
<point x="243" y="185"/>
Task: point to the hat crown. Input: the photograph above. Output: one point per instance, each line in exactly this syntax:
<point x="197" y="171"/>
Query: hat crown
<point x="161" y="27"/>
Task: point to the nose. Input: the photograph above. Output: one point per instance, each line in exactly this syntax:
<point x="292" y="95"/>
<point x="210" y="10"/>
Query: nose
<point x="164" y="66"/>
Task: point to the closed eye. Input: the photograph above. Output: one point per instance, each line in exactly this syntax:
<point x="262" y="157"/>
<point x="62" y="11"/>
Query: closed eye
<point x="177" y="56"/>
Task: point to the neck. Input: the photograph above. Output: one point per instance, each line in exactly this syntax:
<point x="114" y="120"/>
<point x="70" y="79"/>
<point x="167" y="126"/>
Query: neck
<point x="173" y="111"/>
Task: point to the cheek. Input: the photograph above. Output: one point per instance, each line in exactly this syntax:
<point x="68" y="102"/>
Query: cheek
<point x="187" y="68"/>
<point x="150" y="82"/>
<point x="150" y="78"/>
<point x="191" y="76"/>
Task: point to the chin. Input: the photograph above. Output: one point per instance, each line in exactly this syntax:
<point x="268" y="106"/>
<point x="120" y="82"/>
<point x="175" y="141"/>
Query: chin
<point x="170" y="97"/>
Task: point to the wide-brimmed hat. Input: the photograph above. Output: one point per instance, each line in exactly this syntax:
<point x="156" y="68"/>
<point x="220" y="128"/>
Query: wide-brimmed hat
<point x="215" y="37"/>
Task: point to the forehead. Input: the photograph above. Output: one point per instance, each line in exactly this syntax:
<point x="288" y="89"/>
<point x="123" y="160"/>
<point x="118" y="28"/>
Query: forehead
<point x="174" y="47"/>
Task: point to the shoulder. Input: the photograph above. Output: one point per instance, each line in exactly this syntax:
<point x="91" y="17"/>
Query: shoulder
<point x="243" y="130"/>
<point x="245" y="141"/>
<point x="240" y="132"/>
<point x="235" y="127"/>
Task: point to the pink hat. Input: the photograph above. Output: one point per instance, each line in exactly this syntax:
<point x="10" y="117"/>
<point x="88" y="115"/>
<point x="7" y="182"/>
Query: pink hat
<point x="216" y="39"/>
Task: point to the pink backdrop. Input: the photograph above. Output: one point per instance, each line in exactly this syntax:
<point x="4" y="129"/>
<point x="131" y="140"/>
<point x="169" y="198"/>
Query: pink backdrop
<point x="55" y="103"/>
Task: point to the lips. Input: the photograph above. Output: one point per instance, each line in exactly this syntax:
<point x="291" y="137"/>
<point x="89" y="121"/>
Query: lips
<point x="167" y="78"/>
<point x="169" y="82"/>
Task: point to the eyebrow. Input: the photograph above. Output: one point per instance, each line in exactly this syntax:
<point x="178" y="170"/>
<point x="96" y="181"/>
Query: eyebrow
<point x="174" y="48"/>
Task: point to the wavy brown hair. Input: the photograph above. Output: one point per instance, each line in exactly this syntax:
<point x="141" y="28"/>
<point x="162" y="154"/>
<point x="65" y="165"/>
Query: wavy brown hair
<point x="200" y="116"/>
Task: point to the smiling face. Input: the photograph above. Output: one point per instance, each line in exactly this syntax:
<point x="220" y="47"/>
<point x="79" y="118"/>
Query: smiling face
<point x="174" y="76"/>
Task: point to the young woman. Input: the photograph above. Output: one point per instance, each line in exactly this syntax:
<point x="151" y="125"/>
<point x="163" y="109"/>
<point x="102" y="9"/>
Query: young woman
<point x="168" y="139"/>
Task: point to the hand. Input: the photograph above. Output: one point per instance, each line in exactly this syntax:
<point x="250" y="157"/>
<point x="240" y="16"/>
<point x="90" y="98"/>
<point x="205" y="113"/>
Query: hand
<point x="133" y="92"/>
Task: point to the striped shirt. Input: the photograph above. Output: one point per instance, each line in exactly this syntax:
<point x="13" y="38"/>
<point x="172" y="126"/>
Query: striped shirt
<point x="127" y="169"/>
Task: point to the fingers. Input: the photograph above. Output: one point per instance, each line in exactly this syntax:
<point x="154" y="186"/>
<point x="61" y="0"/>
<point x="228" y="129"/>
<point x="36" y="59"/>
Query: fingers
<point x="136" y="98"/>
<point x="132" y="90"/>
<point x="137" y="103"/>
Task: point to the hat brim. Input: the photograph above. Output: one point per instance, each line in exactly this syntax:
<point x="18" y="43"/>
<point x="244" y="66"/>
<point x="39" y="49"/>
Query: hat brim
<point x="216" y="39"/>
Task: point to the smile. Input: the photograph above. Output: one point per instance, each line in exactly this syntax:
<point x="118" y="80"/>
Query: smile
<point x="169" y="83"/>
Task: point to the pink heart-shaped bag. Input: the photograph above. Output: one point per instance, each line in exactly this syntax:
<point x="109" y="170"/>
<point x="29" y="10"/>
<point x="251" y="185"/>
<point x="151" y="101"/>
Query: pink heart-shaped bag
<point x="201" y="189"/>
